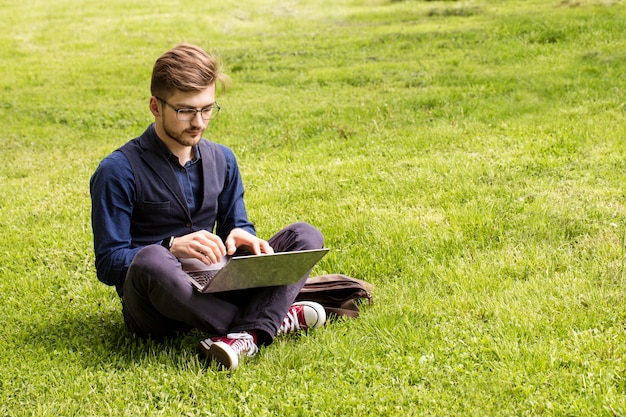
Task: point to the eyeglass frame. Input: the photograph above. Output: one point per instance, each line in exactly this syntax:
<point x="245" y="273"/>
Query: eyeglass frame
<point x="189" y="109"/>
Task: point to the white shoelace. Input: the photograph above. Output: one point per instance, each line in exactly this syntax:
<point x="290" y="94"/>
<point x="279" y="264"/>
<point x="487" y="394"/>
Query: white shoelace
<point x="290" y="322"/>
<point x="244" y="343"/>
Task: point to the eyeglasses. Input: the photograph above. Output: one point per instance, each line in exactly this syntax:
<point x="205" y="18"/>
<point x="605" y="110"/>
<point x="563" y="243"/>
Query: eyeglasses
<point x="184" y="115"/>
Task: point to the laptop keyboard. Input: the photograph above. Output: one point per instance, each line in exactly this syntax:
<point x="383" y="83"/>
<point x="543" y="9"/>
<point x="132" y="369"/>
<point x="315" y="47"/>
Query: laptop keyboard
<point x="203" y="277"/>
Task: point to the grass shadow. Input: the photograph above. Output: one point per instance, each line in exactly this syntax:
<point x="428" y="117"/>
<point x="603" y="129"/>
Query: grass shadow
<point x="101" y="340"/>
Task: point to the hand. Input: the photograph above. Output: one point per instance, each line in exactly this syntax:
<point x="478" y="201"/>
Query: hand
<point x="203" y="245"/>
<point x="239" y="238"/>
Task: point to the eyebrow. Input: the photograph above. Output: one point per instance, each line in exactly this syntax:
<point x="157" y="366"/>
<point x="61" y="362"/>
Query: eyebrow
<point x="187" y="106"/>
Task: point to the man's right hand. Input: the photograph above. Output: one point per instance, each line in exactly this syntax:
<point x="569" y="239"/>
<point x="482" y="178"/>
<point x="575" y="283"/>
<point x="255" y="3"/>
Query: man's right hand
<point x="203" y="245"/>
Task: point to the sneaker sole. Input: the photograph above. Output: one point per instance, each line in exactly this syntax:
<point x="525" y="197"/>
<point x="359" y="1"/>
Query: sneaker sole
<point x="220" y="353"/>
<point x="319" y="309"/>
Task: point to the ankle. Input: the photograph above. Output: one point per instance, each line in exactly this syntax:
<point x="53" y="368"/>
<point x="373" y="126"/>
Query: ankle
<point x="254" y="335"/>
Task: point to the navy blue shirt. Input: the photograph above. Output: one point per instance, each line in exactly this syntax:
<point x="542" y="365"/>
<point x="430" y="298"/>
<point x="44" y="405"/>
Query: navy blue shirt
<point x="114" y="194"/>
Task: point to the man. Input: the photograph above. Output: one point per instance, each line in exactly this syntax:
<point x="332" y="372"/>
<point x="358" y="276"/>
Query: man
<point x="171" y="194"/>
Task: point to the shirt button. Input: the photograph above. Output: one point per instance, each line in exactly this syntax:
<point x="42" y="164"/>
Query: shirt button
<point x="187" y="224"/>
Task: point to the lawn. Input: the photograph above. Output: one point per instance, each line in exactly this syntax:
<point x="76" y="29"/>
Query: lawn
<point x="465" y="157"/>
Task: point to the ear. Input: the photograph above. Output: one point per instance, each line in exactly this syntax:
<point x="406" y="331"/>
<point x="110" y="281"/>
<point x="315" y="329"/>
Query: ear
<point x="155" y="108"/>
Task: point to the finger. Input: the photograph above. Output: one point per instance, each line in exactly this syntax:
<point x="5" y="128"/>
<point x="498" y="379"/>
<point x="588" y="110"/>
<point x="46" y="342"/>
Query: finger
<point x="211" y="245"/>
<point x="207" y="258"/>
<point x="231" y="247"/>
<point x="213" y="241"/>
<point x="256" y="249"/>
<point x="207" y="254"/>
<point x="265" y="247"/>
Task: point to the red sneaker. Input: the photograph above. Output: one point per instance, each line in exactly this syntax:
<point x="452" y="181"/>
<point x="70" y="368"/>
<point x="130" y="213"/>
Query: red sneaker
<point x="303" y="315"/>
<point x="227" y="350"/>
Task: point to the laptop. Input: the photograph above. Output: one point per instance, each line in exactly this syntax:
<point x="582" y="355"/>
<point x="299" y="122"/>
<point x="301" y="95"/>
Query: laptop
<point x="251" y="271"/>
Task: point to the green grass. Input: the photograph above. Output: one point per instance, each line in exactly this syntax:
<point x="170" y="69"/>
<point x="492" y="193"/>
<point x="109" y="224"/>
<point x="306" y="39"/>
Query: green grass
<point x="467" y="158"/>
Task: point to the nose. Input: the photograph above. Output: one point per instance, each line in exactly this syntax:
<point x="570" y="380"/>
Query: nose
<point x="198" y="120"/>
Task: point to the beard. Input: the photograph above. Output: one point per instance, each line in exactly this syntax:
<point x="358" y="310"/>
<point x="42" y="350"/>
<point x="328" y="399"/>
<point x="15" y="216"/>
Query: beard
<point x="189" y="136"/>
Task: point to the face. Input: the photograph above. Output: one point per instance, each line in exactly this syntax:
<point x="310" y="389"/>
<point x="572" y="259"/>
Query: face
<point x="181" y="133"/>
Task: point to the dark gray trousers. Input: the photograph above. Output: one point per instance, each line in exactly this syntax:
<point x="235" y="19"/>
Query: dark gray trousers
<point x="158" y="300"/>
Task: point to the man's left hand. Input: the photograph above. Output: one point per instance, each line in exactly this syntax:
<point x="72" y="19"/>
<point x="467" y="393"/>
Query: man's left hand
<point x="239" y="238"/>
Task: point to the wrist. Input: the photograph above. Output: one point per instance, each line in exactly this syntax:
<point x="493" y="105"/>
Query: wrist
<point x="168" y="242"/>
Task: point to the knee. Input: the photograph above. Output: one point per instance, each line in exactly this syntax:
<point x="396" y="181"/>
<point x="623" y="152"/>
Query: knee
<point x="152" y="260"/>
<point x="309" y="236"/>
<point x="153" y="267"/>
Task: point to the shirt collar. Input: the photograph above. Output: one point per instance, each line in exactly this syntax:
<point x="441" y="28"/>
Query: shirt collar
<point x="196" y="156"/>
